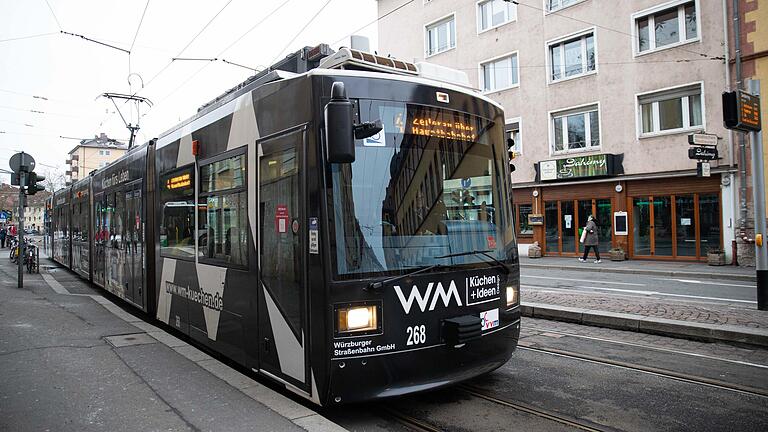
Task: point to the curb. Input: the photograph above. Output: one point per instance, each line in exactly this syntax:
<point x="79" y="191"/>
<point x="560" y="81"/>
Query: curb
<point x="624" y="270"/>
<point x="650" y="325"/>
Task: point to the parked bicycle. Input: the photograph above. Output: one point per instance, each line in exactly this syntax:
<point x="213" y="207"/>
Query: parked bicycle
<point x="31" y="257"/>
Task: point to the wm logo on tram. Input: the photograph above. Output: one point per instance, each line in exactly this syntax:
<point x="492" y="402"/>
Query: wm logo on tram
<point x="422" y="300"/>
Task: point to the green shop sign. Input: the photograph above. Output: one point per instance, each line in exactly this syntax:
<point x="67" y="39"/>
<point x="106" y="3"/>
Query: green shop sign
<point x="600" y="165"/>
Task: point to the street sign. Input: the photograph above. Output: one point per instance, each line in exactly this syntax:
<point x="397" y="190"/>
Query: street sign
<point x="702" y="153"/>
<point x="703" y="169"/>
<point x="702" y="139"/>
<point x="741" y="111"/>
<point x="22" y="162"/>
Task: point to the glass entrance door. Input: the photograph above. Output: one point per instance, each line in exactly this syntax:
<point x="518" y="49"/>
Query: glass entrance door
<point x="564" y="219"/>
<point x="673" y="226"/>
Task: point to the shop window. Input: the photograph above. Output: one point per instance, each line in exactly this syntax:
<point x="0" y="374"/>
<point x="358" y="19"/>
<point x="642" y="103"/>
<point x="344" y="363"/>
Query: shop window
<point x="665" y="28"/>
<point x="225" y="222"/>
<point x="674" y="110"/>
<point x="500" y="74"/>
<point x="440" y="36"/>
<point x="495" y="13"/>
<point x="177" y="221"/>
<point x="575" y="130"/>
<point x="572" y="57"/>
<point x="523" y="210"/>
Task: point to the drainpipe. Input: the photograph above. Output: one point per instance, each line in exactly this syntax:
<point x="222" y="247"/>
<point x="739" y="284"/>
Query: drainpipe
<point x="742" y="138"/>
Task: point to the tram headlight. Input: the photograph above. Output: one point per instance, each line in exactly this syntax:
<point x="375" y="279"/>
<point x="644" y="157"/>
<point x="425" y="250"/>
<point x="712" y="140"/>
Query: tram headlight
<point x="513" y="295"/>
<point x="357" y="318"/>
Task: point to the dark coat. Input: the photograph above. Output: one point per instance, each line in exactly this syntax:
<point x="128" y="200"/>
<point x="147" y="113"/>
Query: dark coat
<point x="591" y="239"/>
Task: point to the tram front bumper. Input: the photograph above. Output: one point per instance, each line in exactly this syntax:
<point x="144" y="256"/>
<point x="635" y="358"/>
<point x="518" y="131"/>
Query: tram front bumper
<point x="399" y="373"/>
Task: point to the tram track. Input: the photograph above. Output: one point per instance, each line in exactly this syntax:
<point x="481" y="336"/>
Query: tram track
<point x="539" y="412"/>
<point x="665" y="373"/>
<point x="409" y="421"/>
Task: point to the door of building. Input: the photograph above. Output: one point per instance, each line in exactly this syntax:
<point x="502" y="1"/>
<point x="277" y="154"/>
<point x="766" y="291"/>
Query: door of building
<point x="563" y="220"/>
<point x="683" y="226"/>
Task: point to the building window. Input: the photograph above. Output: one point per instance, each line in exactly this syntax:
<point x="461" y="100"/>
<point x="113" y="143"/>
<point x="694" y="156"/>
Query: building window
<point x="225" y="223"/>
<point x="572" y="57"/>
<point x="103" y="164"/>
<point x="666" y="28"/>
<point x="553" y="5"/>
<point x="675" y="110"/>
<point x="500" y="74"/>
<point x="523" y="210"/>
<point x="494" y="13"/>
<point x="575" y="130"/>
<point x="512" y="129"/>
<point x="104" y="152"/>
<point x="441" y="36"/>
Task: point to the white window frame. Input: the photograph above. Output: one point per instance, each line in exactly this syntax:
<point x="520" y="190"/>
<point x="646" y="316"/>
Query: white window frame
<point x="687" y="128"/>
<point x="446" y="18"/>
<point x="480" y="29"/>
<point x="519" y="121"/>
<point x="481" y="76"/>
<point x="561" y="41"/>
<point x="584" y="109"/>
<point x="651" y="30"/>
<point x="547" y="11"/>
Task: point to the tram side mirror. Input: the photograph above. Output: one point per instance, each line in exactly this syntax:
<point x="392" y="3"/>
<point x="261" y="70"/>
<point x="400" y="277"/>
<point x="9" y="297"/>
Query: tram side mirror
<point x="339" y="126"/>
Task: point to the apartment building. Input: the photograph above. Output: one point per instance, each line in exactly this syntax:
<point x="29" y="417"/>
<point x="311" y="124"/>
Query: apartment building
<point x="92" y="154"/>
<point x="600" y="98"/>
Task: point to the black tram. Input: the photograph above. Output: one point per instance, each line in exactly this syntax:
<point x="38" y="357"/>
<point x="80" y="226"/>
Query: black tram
<point x="345" y="232"/>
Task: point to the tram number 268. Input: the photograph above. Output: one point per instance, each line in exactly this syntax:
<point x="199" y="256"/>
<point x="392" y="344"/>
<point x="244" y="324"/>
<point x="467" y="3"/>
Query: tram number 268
<point x="416" y="335"/>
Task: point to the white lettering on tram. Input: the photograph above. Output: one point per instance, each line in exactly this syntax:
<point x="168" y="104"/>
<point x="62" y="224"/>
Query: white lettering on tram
<point x="422" y="300"/>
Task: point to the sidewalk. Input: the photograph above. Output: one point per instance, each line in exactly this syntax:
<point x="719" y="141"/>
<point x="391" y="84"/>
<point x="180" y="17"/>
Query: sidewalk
<point x="72" y="360"/>
<point x="659" y="268"/>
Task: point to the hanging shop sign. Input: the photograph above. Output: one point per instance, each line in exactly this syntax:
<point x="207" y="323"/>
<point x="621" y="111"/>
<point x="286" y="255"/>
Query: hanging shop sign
<point x="703" y="139"/>
<point x="577" y="167"/>
<point x="535" y="219"/>
<point x="702" y="153"/>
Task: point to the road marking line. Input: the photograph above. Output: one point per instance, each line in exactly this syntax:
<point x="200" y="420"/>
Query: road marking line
<point x="644" y="293"/>
<point x="698" y="282"/>
<point x="545" y="332"/>
<point x="581" y="280"/>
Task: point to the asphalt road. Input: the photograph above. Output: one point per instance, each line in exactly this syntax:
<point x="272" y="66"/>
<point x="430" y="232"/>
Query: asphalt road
<point x="572" y="377"/>
<point x="702" y="289"/>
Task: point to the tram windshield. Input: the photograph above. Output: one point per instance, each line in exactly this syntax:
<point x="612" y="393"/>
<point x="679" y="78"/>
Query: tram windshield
<point x="430" y="184"/>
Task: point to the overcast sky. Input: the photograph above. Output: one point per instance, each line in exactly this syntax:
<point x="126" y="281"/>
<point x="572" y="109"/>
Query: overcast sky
<point x="50" y="82"/>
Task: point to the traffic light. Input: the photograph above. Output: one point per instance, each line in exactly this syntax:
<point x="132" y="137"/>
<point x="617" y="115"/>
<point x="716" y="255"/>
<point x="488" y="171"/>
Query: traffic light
<point x="15" y="179"/>
<point x="32" y="186"/>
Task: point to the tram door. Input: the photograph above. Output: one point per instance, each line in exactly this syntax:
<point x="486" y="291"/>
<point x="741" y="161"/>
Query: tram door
<point x="134" y="245"/>
<point x="283" y="323"/>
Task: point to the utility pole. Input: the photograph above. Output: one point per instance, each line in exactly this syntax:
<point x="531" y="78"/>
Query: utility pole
<point x="20" y="257"/>
<point x="758" y="196"/>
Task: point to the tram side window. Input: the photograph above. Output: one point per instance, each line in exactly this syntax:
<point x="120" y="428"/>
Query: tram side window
<point x="225" y="222"/>
<point x="177" y="223"/>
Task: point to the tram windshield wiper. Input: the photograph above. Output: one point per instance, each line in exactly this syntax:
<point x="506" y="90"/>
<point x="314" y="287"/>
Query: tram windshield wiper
<point x="484" y="253"/>
<point x="380" y="284"/>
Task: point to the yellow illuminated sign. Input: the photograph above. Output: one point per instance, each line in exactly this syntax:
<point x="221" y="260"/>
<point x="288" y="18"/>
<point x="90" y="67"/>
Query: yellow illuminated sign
<point x="181" y="181"/>
<point x="443" y="129"/>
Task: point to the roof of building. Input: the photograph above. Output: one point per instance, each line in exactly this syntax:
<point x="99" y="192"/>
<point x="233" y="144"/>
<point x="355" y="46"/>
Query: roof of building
<point x="100" y="141"/>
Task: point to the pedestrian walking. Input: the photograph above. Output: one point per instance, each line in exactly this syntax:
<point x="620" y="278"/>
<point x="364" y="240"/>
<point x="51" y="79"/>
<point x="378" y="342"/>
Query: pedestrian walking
<point x="590" y="240"/>
<point x="3" y="233"/>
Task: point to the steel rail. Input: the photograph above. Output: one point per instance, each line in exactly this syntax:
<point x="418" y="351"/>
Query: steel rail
<point x="409" y="421"/>
<point x="539" y="412"/>
<point x="679" y="376"/>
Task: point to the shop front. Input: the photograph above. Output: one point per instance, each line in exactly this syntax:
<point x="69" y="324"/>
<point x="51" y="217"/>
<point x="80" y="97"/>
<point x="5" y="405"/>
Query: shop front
<point x="678" y="217"/>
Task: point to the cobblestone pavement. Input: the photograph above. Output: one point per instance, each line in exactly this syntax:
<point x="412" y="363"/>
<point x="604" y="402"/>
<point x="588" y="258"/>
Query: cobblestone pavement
<point x="539" y="327"/>
<point x="649" y="306"/>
